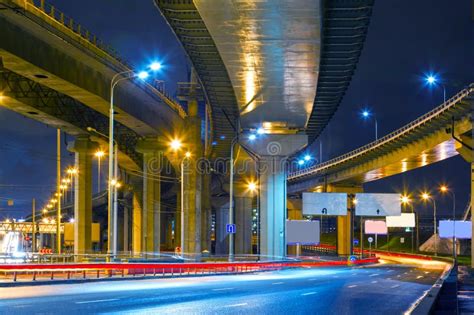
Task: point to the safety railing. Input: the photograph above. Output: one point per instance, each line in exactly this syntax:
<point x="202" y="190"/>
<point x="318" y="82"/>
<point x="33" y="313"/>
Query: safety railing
<point x="36" y="272"/>
<point x="386" y="139"/>
<point x="82" y="37"/>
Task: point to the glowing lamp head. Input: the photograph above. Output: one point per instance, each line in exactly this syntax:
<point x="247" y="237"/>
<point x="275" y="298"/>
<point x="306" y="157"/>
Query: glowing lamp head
<point x="405" y="199"/>
<point x="425" y="196"/>
<point x="252" y="137"/>
<point x="307" y="157"/>
<point x="431" y="79"/>
<point x="71" y="220"/>
<point x="443" y="188"/>
<point x="260" y="131"/>
<point x="187" y="154"/>
<point x="300" y="162"/>
<point x="143" y="75"/>
<point x="365" y="114"/>
<point x="99" y="153"/>
<point x="252" y="186"/>
<point x="155" y="66"/>
<point x="176" y="144"/>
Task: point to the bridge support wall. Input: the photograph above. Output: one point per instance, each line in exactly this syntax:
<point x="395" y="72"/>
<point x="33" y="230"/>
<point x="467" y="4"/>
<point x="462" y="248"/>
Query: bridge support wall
<point x="243" y="223"/>
<point x="273" y="150"/>
<point x="295" y="212"/>
<point x="136" y="224"/>
<point x="345" y="224"/>
<point x="151" y="215"/>
<point x="84" y="150"/>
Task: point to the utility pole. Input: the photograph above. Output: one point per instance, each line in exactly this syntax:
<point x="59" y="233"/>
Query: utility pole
<point x="33" y="220"/>
<point x="58" y="192"/>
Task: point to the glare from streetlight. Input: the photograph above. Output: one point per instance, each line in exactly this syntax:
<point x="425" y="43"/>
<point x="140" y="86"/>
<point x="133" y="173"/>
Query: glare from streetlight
<point x="443" y="188"/>
<point x="99" y="154"/>
<point x="425" y="196"/>
<point x="187" y="154"/>
<point x="155" y="66"/>
<point x="72" y="171"/>
<point x="252" y="137"/>
<point x="176" y="144"/>
<point x="260" y="131"/>
<point x="307" y="157"/>
<point x="252" y="186"/>
<point x="431" y="79"/>
<point x="405" y="199"/>
<point x="143" y="75"/>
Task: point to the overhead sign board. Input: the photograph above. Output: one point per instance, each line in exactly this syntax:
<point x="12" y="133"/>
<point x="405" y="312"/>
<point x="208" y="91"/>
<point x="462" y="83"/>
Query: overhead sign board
<point x="378" y="227"/>
<point x="302" y="232"/>
<point x="461" y="229"/>
<point x="324" y="203"/>
<point x="378" y="205"/>
<point x="404" y="220"/>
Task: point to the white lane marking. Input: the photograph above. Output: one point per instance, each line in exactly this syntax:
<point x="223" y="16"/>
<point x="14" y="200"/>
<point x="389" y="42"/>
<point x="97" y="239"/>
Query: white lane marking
<point x="395" y="286"/>
<point x="419" y="277"/>
<point x="352" y="286"/>
<point x="222" y="289"/>
<point x="236" y="305"/>
<point x="96" y="301"/>
<point x="375" y="281"/>
<point x="427" y="272"/>
<point x="398" y="276"/>
<point x="374" y="274"/>
<point x="277" y="283"/>
<point x="309" y="293"/>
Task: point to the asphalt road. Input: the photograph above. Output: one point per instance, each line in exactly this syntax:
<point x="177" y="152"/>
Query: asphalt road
<point x="382" y="289"/>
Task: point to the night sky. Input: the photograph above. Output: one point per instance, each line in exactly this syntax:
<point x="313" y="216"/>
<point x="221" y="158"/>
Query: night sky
<point x="406" y="40"/>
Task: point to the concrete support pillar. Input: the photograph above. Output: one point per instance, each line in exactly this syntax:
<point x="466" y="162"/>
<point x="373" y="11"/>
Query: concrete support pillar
<point x="126" y="218"/>
<point x="136" y="224"/>
<point x="273" y="150"/>
<point x="345" y="228"/>
<point x="222" y="241"/>
<point x="84" y="150"/>
<point x="472" y="217"/>
<point x="295" y="212"/>
<point x="152" y="155"/>
<point x="243" y="222"/>
<point x="206" y="213"/>
<point x="192" y="189"/>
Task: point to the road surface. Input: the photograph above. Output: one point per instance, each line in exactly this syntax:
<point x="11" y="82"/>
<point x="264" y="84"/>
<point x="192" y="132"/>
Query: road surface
<point x="381" y="289"/>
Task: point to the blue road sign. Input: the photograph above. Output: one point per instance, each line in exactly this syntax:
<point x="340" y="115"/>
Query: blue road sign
<point x="356" y="241"/>
<point x="230" y="228"/>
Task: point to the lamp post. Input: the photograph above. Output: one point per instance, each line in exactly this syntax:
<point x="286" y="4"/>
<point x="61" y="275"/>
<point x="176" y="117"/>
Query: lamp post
<point x="116" y="79"/>
<point x="99" y="154"/>
<point x="366" y="114"/>
<point x="426" y="197"/>
<point x="433" y="80"/>
<point x="445" y="189"/>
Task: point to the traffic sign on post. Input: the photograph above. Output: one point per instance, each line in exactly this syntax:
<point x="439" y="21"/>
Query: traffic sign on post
<point x="230" y="228"/>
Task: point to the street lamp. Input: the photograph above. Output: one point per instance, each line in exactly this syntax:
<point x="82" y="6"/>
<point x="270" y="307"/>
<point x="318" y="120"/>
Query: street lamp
<point x="407" y="201"/>
<point x="366" y="114"/>
<point x="99" y="154"/>
<point x="116" y="79"/>
<point x="444" y="189"/>
<point x="433" y="80"/>
<point x="426" y="197"/>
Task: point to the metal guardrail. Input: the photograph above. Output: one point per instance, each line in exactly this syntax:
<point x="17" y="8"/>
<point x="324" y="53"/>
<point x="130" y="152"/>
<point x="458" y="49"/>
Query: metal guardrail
<point x="384" y="140"/>
<point x="83" y="37"/>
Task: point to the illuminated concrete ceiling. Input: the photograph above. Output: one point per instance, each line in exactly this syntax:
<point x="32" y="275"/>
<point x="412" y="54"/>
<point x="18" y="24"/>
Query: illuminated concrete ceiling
<point x="271" y="52"/>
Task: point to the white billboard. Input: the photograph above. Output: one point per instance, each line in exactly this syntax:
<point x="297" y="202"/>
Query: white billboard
<point x="324" y="203"/>
<point x="404" y="220"/>
<point x="375" y="227"/>
<point x="462" y="229"/>
<point x="302" y="232"/>
<point x="380" y="205"/>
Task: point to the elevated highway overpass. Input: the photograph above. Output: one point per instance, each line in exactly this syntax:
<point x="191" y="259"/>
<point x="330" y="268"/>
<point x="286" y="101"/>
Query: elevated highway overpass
<point x="280" y="67"/>
<point x="426" y="140"/>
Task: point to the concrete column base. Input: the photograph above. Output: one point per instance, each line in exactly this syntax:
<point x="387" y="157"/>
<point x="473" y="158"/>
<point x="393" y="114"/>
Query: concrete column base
<point x="273" y="150"/>
<point x="84" y="151"/>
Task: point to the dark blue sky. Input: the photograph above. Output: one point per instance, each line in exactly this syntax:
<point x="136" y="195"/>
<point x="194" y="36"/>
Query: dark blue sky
<point x="406" y="39"/>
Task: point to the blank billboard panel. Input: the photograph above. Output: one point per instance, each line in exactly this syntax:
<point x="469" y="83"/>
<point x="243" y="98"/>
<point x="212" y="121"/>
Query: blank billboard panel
<point x="404" y="220"/>
<point x="378" y="205"/>
<point x="375" y="227"/>
<point x="463" y="229"/>
<point x="324" y="203"/>
<point x="302" y="232"/>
